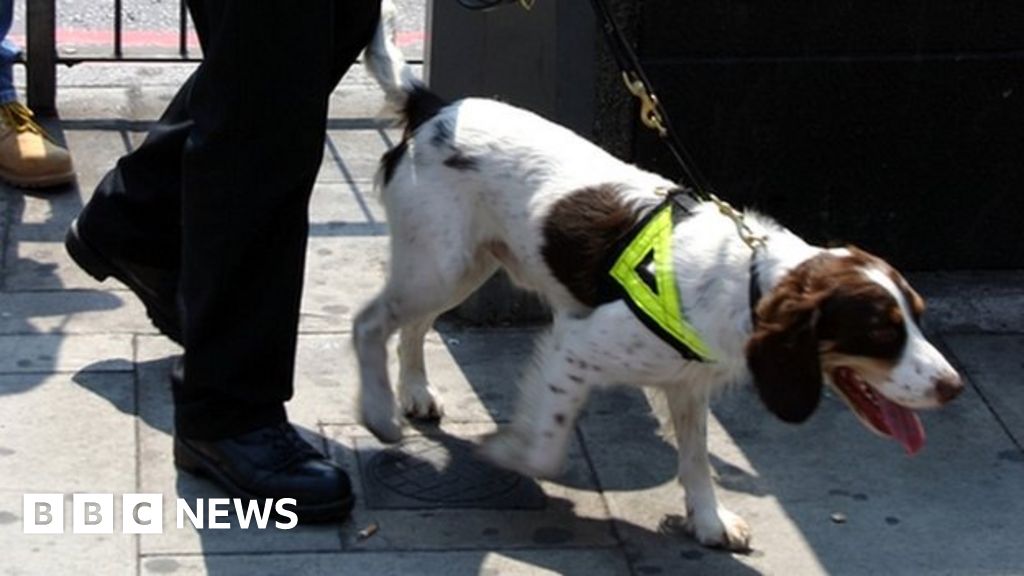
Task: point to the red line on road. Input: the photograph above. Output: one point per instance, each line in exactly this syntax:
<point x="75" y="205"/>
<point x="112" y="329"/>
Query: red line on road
<point x="158" y="38"/>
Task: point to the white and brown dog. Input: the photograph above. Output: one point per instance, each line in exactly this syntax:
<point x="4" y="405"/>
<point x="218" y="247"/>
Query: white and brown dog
<point x="477" y="184"/>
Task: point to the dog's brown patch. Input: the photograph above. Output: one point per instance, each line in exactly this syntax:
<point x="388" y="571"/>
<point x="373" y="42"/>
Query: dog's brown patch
<point x="579" y="232"/>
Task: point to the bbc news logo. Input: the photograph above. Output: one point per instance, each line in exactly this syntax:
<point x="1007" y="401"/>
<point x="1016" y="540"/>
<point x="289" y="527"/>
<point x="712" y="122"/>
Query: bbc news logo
<point x="144" y="513"/>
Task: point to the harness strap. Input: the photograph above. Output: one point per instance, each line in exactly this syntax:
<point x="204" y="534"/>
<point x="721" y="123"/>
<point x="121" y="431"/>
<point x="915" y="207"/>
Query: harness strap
<point x="756" y="293"/>
<point x="652" y="113"/>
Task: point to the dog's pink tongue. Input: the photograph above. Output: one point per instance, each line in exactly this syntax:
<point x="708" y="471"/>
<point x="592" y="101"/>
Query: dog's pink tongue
<point x="904" y="425"/>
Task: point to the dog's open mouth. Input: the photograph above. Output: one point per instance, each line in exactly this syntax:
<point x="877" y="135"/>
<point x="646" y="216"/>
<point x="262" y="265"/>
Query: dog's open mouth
<point x="877" y="413"/>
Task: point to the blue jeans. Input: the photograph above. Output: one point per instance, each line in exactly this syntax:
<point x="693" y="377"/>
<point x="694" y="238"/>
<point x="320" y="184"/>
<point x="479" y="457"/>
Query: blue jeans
<point x="8" y="51"/>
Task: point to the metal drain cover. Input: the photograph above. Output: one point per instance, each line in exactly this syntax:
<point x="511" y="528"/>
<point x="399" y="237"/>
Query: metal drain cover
<point x="429" y="472"/>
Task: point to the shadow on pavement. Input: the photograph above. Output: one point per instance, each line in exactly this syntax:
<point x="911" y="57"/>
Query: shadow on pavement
<point x="219" y="546"/>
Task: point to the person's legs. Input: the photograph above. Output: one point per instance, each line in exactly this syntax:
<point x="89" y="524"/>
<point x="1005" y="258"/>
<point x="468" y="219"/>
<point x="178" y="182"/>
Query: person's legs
<point x="241" y="148"/>
<point x="142" y="195"/>
<point x="248" y="169"/>
<point x="29" y="157"/>
<point x="218" y="195"/>
<point x="131" y="227"/>
<point x="8" y="52"/>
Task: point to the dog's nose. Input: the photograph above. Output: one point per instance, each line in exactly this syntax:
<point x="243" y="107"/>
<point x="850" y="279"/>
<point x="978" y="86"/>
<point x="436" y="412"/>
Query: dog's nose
<point x="948" y="387"/>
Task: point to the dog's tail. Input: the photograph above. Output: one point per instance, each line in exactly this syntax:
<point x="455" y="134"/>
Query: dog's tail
<point x="386" y="64"/>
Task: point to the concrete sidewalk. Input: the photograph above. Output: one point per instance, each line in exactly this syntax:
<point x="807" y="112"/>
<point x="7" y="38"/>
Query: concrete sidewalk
<point x="85" y="408"/>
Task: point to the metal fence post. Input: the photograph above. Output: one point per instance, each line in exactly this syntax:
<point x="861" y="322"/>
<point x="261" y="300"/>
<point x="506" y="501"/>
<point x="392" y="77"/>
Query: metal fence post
<point x="42" y="56"/>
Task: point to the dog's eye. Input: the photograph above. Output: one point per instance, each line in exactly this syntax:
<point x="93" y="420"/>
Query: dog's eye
<point x="884" y="334"/>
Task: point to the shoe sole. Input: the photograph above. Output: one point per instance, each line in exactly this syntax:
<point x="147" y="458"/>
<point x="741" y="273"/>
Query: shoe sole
<point x="188" y="460"/>
<point x="48" y="181"/>
<point x="100" y="268"/>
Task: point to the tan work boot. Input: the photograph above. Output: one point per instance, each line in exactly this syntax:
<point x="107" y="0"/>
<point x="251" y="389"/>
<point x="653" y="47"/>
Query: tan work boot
<point x="29" y="157"/>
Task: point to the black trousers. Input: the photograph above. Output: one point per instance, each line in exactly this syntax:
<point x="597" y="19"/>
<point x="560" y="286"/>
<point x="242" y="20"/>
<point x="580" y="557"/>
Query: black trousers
<point x="219" y="191"/>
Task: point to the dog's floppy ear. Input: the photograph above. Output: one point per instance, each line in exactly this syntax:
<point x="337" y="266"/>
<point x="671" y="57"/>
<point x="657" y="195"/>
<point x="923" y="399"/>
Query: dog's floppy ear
<point x="782" y="354"/>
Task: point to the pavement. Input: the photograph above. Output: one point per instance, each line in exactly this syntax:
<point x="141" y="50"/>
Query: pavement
<point x="85" y="408"/>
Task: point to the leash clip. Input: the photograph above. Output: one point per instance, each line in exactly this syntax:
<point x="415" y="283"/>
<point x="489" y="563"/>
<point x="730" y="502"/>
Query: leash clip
<point x="650" y="113"/>
<point x="752" y="240"/>
<point x="527" y="4"/>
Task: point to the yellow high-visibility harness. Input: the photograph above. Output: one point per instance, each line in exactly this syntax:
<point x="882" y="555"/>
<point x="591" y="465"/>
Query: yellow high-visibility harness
<point x="652" y="295"/>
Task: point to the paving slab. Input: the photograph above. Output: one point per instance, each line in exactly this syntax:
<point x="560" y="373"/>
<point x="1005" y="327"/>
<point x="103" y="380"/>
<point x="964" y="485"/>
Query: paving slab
<point x="67" y="553"/>
<point x="6" y="192"/>
<point x="435" y="471"/>
<point x="49" y="353"/>
<point x="94" y="151"/>
<point x="130" y="92"/>
<point x="57" y="436"/>
<point x="346" y="202"/>
<point x="485" y="563"/>
<point x="34" y="266"/>
<point x="44" y="218"/>
<point x="343" y="272"/>
<point x="474" y="372"/>
<point x="92" y="450"/>
<point x="73" y="312"/>
<point x="354" y="154"/>
<point x="790" y="481"/>
<point x="573" y="516"/>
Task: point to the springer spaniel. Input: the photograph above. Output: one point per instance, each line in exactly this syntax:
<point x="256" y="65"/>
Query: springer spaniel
<point x="477" y="184"/>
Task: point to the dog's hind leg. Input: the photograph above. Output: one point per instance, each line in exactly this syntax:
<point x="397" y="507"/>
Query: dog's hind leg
<point x="428" y="273"/>
<point x="711" y="524"/>
<point x="414" y="395"/>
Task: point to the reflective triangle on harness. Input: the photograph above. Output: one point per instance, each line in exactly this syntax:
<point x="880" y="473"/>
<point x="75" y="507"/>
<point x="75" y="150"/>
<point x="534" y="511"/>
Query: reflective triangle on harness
<point x="644" y="272"/>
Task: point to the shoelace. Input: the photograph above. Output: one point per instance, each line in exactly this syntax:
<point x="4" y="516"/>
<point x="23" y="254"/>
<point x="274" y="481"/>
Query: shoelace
<point x="21" y="119"/>
<point x="289" y="446"/>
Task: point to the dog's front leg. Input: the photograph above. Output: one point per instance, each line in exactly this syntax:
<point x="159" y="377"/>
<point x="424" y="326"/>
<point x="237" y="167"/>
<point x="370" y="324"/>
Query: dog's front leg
<point x="712" y="524"/>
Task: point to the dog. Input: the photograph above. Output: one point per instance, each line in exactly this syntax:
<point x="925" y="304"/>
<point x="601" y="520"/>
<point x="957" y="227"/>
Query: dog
<point x="476" y="185"/>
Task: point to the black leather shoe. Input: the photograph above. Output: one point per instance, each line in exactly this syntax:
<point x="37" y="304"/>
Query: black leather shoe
<point x="155" y="287"/>
<point x="271" y="462"/>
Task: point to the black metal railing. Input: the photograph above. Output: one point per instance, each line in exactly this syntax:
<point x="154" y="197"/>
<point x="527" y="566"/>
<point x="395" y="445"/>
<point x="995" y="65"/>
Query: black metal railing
<point x="43" y="56"/>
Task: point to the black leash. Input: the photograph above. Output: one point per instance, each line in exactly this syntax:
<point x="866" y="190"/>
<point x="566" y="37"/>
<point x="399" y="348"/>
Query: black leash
<point x="652" y="113"/>
<point x="654" y="116"/>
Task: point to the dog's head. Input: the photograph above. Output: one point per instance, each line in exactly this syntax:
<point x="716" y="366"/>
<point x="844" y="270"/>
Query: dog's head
<point x="849" y="319"/>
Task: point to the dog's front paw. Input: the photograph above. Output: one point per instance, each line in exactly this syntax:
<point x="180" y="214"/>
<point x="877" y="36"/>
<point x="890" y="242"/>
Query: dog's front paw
<point x="378" y="416"/>
<point x="418" y="403"/>
<point x="720" y="529"/>
<point x="512" y="451"/>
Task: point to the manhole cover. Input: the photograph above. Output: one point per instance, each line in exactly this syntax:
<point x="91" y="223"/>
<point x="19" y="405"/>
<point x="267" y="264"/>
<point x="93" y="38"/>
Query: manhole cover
<point x="425" y="472"/>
